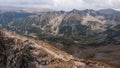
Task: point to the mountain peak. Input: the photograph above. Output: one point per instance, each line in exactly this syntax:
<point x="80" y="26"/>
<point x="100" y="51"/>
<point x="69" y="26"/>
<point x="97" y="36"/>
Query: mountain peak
<point x="89" y="11"/>
<point x="75" y="10"/>
<point x="108" y="11"/>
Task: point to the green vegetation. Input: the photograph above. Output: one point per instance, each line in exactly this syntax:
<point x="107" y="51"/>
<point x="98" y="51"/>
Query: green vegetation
<point x="8" y="17"/>
<point x="57" y="39"/>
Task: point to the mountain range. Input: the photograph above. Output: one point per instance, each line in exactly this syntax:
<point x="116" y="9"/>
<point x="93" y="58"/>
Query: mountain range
<point x="88" y="34"/>
<point x="76" y="24"/>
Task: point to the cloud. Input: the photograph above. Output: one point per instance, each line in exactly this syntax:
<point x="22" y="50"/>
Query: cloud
<point x="30" y="3"/>
<point x="69" y="4"/>
<point x="64" y="4"/>
<point x="88" y="4"/>
<point x="97" y="4"/>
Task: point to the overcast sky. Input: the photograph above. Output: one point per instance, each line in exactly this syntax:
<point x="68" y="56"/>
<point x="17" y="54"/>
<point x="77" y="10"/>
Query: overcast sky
<point x="64" y="4"/>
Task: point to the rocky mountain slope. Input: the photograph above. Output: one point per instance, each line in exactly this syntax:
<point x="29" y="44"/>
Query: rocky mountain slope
<point x="17" y="51"/>
<point x="84" y="26"/>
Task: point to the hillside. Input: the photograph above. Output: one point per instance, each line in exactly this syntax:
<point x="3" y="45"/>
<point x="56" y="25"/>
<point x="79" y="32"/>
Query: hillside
<point x="21" y="52"/>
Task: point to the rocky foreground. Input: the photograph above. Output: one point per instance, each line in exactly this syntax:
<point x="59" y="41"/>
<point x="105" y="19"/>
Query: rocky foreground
<point x="17" y="51"/>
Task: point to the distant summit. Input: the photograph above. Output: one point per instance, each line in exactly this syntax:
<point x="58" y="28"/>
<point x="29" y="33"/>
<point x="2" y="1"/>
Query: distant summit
<point x="108" y="11"/>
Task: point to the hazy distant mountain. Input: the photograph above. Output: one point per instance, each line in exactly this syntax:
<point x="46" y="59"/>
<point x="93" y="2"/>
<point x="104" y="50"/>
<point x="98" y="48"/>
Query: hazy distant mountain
<point x="108" y="11"/>
<point x="21" y="9"/>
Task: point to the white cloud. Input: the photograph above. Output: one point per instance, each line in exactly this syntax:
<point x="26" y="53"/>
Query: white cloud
<point x="69" y="4"/>
<point x="26" y="2"/>
<point x="65" y="4"/>
<point x="87" y="4"/>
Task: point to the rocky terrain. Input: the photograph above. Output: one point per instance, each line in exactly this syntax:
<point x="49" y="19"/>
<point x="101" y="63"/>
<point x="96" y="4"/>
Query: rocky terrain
<point x="17" y="51"/>
<point x="88" y="34"/>
<point x="84" y="26"/>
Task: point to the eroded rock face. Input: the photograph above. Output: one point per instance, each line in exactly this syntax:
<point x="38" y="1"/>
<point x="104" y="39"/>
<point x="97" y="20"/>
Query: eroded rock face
<point x="20" y="52"/>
